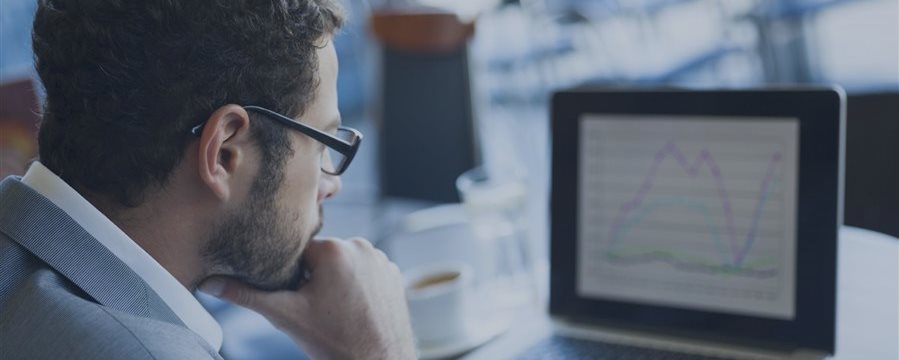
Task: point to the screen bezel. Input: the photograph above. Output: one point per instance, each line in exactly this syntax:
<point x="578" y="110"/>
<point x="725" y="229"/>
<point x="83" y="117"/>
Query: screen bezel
<point x="819" y="212"/>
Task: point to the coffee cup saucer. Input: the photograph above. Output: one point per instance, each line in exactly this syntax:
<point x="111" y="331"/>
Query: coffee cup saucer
<point x="476" y="335"/>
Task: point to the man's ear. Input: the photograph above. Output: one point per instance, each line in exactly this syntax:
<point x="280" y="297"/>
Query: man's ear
<point x="223" y="148"/>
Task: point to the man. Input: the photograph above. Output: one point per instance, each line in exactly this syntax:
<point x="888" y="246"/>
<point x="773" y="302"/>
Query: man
<point x="185" y="145"/>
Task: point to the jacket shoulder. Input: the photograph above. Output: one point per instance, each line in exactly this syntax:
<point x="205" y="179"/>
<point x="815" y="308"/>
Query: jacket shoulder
<point x="47" y="318"/>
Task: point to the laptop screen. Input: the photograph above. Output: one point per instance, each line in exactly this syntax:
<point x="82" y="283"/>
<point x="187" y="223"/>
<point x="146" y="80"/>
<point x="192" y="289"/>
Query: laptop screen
<point x="694" y="212"/>
<point x="702" y="213"/>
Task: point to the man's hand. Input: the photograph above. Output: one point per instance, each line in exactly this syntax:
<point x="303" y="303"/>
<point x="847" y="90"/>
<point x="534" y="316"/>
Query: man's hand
<point x="353" y="305"/>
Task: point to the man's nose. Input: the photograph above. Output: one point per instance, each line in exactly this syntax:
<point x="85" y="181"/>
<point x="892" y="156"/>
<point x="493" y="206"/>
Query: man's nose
<point x="330" y="186"/>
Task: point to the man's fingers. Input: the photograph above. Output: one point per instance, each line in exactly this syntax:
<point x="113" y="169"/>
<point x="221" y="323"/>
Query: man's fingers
<point x="241" y="294"/>
<point x="318" y="250"/>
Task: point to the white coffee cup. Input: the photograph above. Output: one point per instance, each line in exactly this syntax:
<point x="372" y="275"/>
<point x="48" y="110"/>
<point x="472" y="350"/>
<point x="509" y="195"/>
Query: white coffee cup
<point x="437" y="296"/>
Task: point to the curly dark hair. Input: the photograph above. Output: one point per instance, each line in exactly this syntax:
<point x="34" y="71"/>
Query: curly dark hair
<point x="126" y="80"/>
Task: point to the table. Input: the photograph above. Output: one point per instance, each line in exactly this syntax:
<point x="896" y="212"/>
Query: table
<point x="867" y="302"/>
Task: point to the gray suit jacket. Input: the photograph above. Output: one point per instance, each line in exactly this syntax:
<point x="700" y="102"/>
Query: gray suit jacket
<point x="63" y="295"/>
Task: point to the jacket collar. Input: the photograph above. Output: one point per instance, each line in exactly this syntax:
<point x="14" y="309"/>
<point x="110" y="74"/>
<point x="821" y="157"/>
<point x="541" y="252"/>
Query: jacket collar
<point x="46" y="231"/>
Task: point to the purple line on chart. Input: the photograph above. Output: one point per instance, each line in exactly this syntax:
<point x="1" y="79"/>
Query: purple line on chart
<point x="738" y="251"/>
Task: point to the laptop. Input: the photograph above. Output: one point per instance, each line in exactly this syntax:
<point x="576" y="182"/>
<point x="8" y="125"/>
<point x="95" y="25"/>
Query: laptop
<point x="691" y="225"/>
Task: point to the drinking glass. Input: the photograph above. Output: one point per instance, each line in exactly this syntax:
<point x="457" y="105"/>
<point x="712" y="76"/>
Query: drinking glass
<point x="497" y="209"/>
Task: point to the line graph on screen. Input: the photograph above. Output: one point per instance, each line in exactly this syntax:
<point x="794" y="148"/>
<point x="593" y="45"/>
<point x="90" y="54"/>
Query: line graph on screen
<point x="733" y="253"/>
<point x="697" y="213"/>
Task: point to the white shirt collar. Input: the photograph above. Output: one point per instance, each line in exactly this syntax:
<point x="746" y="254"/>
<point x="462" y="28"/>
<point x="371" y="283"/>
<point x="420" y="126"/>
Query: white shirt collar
<point x="175" y="295"/>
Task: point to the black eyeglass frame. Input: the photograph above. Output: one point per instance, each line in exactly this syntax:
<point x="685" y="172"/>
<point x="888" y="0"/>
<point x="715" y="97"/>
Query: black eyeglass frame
<point x="348" y="150"/>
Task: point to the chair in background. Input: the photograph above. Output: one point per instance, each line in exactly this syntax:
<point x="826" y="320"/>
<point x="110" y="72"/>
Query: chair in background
<point x="872" y="162"/>
<point x="425" y="120"/>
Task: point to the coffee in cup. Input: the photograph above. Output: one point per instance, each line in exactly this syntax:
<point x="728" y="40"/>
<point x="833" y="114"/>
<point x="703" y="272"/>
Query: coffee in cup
<point x="437" y="296"/>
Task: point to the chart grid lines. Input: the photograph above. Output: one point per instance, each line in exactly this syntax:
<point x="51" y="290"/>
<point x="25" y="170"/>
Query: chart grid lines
<point x="679" y="205"/>
<point x="693" y="170"/>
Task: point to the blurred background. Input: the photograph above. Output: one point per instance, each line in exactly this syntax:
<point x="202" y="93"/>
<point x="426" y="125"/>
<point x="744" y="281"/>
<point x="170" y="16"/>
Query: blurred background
<point x="440" y="87"/>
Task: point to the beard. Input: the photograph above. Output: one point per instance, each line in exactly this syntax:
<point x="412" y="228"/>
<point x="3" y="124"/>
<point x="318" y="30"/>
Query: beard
<point x="259" y="243"/>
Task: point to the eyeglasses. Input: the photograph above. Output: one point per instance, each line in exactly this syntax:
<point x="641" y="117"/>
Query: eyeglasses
<point x="340" y="148"/>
